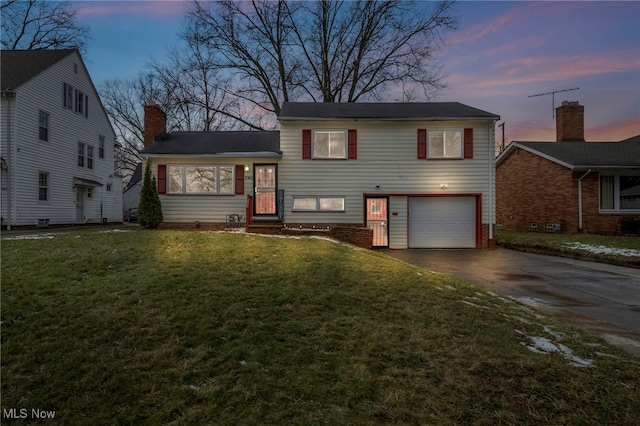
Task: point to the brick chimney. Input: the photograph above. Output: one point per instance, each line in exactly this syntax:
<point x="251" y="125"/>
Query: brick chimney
<point x="570" y="122"/>
<point x="155" y="122"/>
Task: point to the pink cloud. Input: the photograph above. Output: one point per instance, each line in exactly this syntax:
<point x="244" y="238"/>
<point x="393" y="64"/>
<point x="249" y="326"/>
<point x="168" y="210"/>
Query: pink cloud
<point x="143" y="9"/>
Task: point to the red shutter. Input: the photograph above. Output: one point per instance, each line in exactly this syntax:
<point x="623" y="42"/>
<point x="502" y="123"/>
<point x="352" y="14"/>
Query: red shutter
<point x="306" y="144"/>
<point x="162" y="178"/>
<point x="468" y="143"/>
<point x="239" y="179"/>
<point x="422" y="144"/>
<point x="353" y="144"/>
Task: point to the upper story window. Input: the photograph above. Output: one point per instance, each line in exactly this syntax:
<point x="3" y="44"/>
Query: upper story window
<point x="89" y="157"/>
<point x="445" y="144"/>
<point x="80" y="154"/>
<point x="619" y="193"/>
<point x="326" y="144"/>
<point x="100" y="146"/>
<point x="43" y="130"/>
<point x="203" y="179"/>
<point x="75" y="100"/>
<point x="329" y="144"/>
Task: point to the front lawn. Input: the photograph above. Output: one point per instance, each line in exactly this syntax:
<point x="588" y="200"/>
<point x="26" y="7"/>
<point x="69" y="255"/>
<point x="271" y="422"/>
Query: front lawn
<point x="624" y="251"/>
<point x="167" y="327"/>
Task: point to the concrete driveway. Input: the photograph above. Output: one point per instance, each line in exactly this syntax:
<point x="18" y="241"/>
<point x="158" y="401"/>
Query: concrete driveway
<point x="599" y="298"/>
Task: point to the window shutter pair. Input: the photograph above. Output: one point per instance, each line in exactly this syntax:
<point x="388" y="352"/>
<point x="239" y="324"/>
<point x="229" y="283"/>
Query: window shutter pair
<point x="162" y="179"/>
<point x="422" y="143"/>
<point x="352" y="144"/>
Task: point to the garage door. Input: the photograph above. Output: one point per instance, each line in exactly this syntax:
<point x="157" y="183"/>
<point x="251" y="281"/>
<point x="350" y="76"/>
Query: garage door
<point x="442" y="222"/>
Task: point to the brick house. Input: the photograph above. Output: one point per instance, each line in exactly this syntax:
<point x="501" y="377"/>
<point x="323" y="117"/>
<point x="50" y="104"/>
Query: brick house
<point x="570" y="185"/>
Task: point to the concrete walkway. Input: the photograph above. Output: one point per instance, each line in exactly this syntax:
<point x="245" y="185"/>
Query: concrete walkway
<point x="596" y="297"/>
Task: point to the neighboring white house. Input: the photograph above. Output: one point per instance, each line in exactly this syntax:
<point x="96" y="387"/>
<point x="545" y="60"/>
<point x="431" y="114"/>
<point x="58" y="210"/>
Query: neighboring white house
<point x="131" y="192"/>
<point x="57" y="144"/>
<point x="421" y="175"/>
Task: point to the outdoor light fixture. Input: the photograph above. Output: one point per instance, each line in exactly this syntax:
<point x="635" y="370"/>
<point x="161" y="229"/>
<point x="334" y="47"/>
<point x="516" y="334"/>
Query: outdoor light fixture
<point x="246" y="168"/>
<point x="444" y="186"/>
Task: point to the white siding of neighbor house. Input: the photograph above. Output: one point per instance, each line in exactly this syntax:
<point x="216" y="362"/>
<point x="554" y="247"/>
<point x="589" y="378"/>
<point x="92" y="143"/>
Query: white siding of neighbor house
<point x="183" y="208"/>
<point x="387" y="157"/>
<point x="58" y="156"/>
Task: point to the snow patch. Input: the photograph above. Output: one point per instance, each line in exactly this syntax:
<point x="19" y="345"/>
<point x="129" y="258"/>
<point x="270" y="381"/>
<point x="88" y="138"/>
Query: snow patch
<point x="32" y="237"/>
<point x="542" y="345"/>
<point x="604" y="249"/>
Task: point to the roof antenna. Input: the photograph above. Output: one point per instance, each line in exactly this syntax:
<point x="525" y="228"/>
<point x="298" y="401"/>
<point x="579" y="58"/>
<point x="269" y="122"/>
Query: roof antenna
<point x="553" y="98"/>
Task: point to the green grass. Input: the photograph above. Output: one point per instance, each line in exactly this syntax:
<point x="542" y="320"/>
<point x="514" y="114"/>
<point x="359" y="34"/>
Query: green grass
<point x="165" y="327"/>
<point x="564" y="245"/>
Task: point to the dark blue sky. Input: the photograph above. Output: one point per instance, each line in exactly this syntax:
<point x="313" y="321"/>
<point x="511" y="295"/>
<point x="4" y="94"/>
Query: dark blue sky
<point x="503" y="52"/>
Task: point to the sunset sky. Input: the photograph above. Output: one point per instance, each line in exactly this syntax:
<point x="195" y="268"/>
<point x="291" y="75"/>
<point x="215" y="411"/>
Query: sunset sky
<point x="502" y="53"/>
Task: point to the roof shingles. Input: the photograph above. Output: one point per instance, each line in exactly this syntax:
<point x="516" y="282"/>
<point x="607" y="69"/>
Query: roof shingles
<point x="217" y="143"/>
<point x="625" y="154"/>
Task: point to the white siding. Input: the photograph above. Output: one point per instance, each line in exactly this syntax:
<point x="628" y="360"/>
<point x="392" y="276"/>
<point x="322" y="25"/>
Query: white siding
<point x="58" y="156"/>
<point x="387" y="157"/>
<point x="205" y="208"/>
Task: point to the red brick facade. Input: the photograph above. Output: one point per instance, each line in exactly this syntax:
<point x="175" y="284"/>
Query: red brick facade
<point x="570" y="122"/>
<point x="155" y="122"/>
<point x="532" y="189"/>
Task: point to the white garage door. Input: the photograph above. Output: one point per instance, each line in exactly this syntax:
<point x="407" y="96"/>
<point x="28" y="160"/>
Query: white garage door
<point x="442" y="222"/>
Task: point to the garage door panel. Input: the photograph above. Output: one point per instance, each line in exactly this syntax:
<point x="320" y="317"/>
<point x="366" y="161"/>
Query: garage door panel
<point x="442" y="222"/>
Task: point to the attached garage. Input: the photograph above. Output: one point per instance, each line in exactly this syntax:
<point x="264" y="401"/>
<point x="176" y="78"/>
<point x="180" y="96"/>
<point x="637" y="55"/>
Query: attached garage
<point x="443" y="222"/>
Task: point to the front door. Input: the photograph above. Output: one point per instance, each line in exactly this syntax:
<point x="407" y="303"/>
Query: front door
<point x="265" y="182"/>
<point x="79" y="204"/>
<point x="378" y="220"/>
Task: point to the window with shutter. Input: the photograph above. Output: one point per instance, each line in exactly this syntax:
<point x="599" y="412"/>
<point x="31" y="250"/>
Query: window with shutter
<point x="162" y="178"/>
<point x="239" y="179"/>
<point x="422" y="144"/>
<point x="468" y="143"/>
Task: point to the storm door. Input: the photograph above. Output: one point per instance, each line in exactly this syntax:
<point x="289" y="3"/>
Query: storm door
<point x="378" y="220"/>
<point x="265" y="182"/>
<point x="79" y="204"/>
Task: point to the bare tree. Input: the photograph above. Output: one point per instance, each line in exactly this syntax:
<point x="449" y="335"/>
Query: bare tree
<point x="330" y="51"/>
<point x="40" y="24"/>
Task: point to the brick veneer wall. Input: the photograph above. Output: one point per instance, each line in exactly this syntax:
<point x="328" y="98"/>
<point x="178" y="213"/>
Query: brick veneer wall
<point x="530" y="188"/>
<point x="155" y="123"/>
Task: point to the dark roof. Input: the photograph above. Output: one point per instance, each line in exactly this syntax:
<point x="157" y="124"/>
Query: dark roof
<point x="20" y="66"/>
<point x="584" y="155"/>
<point x="135" y="177"/>
<point x="381" y="111"/>
<point x="219" y="143"/>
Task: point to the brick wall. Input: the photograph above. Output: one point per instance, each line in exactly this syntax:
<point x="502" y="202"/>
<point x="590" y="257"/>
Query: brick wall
<point x="570" y="122"/>
<point x="155" y="122"/>
<point x="530" y="188"/>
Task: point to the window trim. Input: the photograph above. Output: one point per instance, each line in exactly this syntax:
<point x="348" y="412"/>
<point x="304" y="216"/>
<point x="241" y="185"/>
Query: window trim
<point x="184" y="166"/>
<point x="44" y="187"/>
<point x="460" y="131"/>
<point x="616" y="194"/>
<point x="101" y="141"/>
<point x="329" y="131"/>
<point x="318" y="199"/>
<point x="90" y="157"/>
<point x="42" y="113"/>
<point x="81" y="155"/>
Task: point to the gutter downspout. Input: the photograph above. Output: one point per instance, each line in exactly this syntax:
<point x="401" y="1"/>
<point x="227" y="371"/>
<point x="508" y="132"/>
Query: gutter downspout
<point x="492" y="170"/>
<point x="580" y="199"/>
<point x="8" y="95"/>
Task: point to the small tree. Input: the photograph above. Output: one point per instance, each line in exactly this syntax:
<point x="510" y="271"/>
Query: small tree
<point x="150" y="208"/>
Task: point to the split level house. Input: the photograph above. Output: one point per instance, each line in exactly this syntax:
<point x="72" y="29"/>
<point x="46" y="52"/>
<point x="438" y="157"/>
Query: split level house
<point x="57" y="144"/>
<point x="569" y="185"/>
<point x="418" y="174"/>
